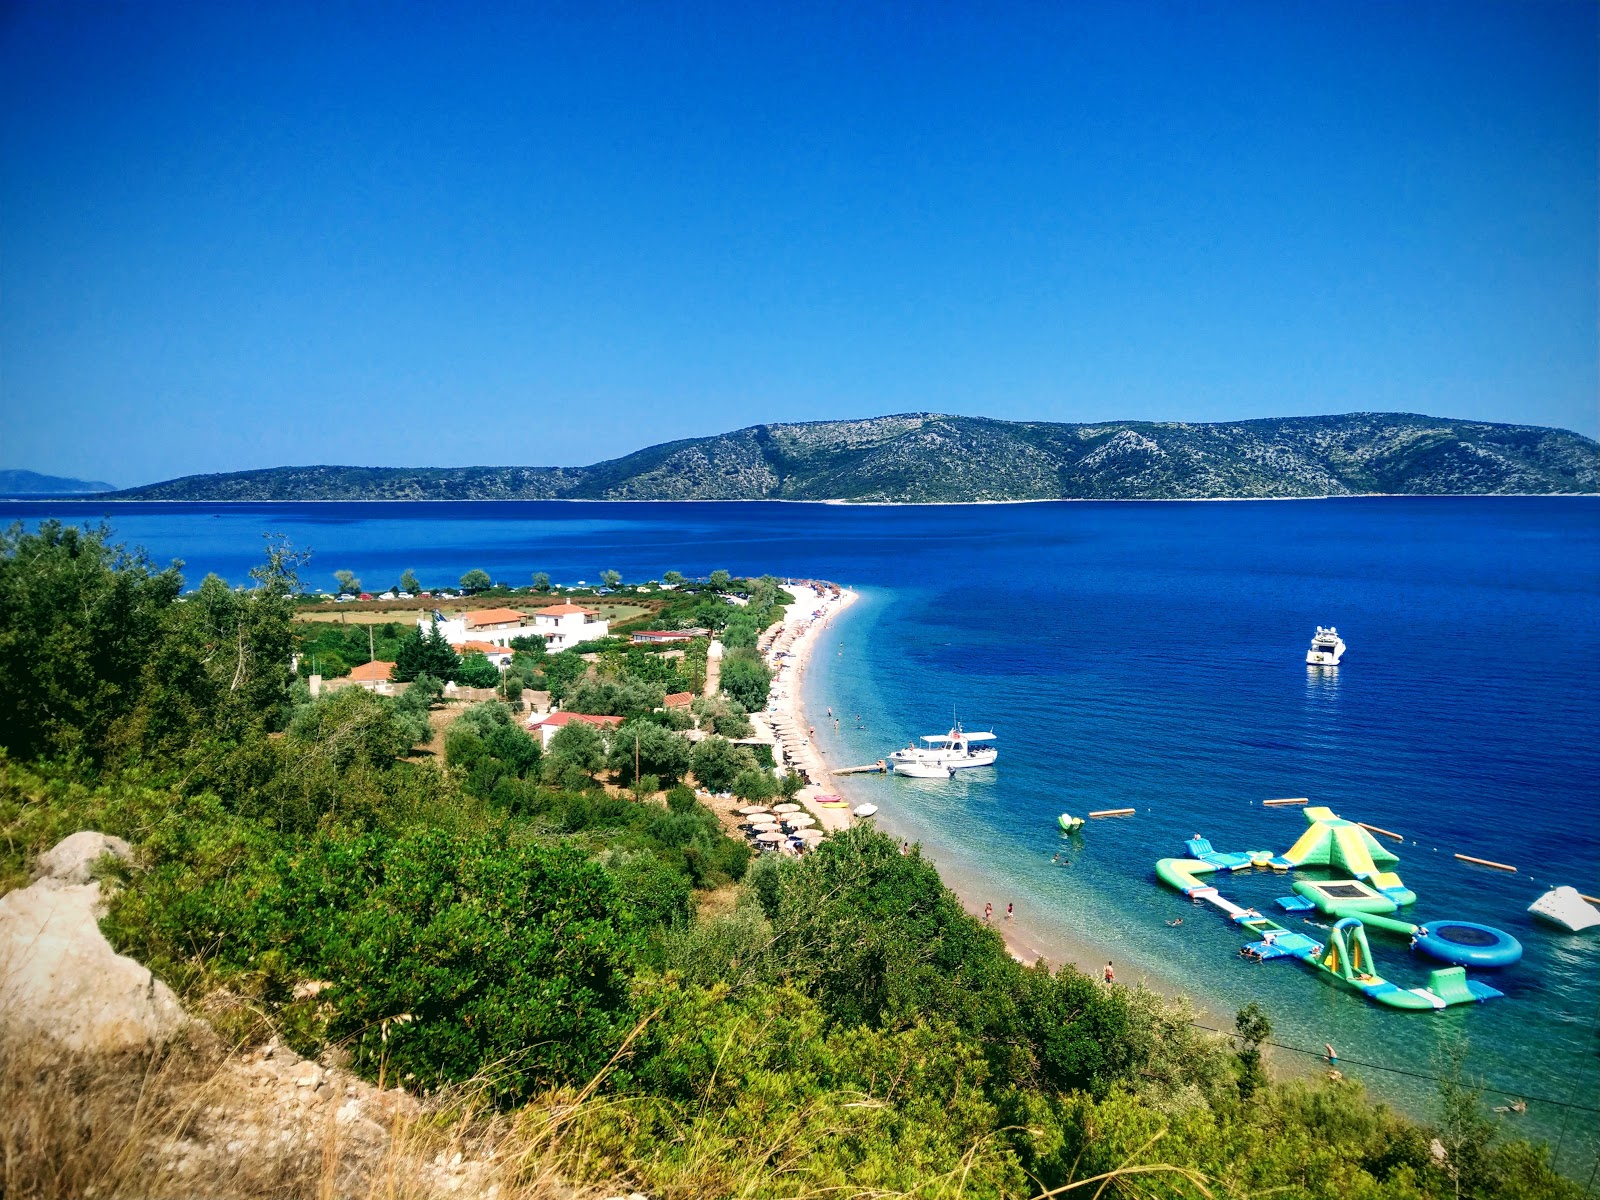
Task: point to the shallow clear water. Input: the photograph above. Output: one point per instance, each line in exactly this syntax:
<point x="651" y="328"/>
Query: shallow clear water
<point x="1150" y="655"/>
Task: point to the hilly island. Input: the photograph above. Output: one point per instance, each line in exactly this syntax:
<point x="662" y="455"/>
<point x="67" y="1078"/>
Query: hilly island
<point x="929" y="458"/>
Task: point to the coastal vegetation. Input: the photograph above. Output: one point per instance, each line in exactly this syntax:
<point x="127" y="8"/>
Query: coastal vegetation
<point x="934" y="458"/>
<point x="571" y="934"/>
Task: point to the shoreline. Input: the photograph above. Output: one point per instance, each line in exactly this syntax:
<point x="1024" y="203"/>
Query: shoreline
<point x="1024" y="939"/>
<point x="1027" y="940"/>
<point x="841" y="502"/>
<point x="785" y="724"/>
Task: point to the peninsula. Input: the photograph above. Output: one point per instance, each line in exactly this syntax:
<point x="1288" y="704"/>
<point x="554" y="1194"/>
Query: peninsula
<point x="929" y="458"/>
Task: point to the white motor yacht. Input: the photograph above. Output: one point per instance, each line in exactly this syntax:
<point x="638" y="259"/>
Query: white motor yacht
<point x="1327" y="648"/>
<point x="943" y="754"/>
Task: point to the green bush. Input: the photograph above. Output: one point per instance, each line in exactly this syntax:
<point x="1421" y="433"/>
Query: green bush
<point x="747" y="679"/>
<point x="717" y="762"/>
<point x="655" y="750"/>
<point x="614" y="697"/>
<point x="490" y="748"/>
<point x="454" y="954"/>
<point x="659" y="895"/>
<point x="477" y="671"/>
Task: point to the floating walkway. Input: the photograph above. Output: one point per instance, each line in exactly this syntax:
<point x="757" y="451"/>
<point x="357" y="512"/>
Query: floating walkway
<point x="1366" y="900"/>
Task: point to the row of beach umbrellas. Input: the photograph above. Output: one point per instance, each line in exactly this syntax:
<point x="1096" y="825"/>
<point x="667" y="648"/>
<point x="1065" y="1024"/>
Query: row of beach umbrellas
<point x="764" y="822"/>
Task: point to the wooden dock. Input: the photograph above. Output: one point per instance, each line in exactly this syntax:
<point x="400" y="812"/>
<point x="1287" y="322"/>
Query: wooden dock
<point x="877" y="768"/>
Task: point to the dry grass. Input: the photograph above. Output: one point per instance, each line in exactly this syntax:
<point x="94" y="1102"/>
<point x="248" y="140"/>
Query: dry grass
<point x="190" y="1122"/>
<point x="193" y="1122"/>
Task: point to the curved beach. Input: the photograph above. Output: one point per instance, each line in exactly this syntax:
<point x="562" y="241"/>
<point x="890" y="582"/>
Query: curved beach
<point x="785" y="722"/>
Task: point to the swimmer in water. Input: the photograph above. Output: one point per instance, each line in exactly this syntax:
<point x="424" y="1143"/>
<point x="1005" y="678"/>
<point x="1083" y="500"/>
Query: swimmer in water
<point x="1178" y="921"/>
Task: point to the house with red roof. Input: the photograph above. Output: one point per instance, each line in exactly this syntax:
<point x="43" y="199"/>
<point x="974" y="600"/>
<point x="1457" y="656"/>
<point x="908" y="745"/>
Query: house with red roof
<point x="562" y="626"/>
<point x="548" y="725"/>
<point x="375" y="676"/>
<point x="566" y="625"/>
<point x="500" y="656"/>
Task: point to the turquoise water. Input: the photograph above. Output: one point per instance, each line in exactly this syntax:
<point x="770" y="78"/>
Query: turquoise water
<point x="1151" y="655"/>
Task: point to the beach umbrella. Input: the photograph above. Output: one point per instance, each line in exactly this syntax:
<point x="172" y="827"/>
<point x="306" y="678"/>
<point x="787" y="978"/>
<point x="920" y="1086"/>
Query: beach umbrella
<point x="799" y="820"/>
<point x="752" y="810"/>
<point x="770" y="836"/>
<point x="812" y="835"/>
<point x="783" y="808"/>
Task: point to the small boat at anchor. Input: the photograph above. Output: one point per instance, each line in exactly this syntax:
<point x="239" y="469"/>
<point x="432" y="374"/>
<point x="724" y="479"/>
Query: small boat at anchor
<point x="941" y="755"/>
<point x="1327" y="648"/>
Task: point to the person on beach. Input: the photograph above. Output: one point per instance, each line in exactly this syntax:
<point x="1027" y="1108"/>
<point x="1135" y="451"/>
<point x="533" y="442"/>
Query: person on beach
<point x="905" y="848"/>
<point x="1109" y="975"/>
<point x="988" y="913"/>
<point x="1333" y="1057"/>
<point x="1010" y="908"/>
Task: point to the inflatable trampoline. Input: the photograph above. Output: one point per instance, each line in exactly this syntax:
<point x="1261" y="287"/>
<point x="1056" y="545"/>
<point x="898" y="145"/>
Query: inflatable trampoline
<point x="1467" y="944"/>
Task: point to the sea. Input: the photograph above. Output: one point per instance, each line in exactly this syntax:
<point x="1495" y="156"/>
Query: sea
<point x="1151" y="656"/>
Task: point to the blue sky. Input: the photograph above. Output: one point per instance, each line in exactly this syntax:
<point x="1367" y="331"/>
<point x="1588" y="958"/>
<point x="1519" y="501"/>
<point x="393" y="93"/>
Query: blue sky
<point x="246" y="235"/>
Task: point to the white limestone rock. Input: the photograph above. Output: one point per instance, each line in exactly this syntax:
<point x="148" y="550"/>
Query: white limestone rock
<point x="72" y="859"/>
<point x="59" y="977"/>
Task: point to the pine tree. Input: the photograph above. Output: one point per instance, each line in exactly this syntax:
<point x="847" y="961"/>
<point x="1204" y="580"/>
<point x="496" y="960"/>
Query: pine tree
<point x="426" y="654"/>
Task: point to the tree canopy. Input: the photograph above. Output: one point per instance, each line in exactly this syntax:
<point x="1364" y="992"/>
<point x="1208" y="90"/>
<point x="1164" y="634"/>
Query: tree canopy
<point x="426" y="654"/>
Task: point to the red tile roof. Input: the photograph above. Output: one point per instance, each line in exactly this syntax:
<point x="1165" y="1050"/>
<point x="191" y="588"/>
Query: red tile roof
<point x="557" y="719"/>
<point x="480" y="647"/>
<point x="373" y="672"/>
<point x="564" y="610"/>
<point x="679" y="700"/>
<point x="478" y="618"/>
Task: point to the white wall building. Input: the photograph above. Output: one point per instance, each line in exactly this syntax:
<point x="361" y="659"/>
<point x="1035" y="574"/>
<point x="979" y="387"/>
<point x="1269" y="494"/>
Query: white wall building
<point x="561" y="625"/>
<point x="567" y="625"/>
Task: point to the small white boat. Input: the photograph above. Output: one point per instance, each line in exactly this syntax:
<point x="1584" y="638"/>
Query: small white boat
<point x="866" y="810"/>
<point x="941" y="755"/>
<point x="1566" y="907"/>
<point x="1327" y="648"/>
<point x="925" y="770"/>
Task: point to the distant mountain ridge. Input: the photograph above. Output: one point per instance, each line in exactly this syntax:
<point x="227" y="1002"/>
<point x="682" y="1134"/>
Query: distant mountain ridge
<point x="31" y="483"/>
<point x="934" y="458"/>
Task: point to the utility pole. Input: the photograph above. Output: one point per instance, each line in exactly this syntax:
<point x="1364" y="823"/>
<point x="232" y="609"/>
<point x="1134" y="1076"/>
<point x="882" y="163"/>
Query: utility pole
<point x="372" y="655"/>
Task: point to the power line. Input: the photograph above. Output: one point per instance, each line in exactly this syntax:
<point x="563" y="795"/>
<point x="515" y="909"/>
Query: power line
<point x="1356" y="1062"/>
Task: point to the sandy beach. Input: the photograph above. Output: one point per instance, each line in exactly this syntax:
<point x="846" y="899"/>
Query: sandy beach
<point x="785" y="722"/>
<point x="788" y="726"/>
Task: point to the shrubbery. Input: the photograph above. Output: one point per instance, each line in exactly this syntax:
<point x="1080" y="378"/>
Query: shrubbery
<point x="840" y="1026"/>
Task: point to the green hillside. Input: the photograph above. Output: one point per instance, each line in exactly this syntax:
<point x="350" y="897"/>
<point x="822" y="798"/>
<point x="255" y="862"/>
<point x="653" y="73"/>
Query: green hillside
<point x="929" y="458"/>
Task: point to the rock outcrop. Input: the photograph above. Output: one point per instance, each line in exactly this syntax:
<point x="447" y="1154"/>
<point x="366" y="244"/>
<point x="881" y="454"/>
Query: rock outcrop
<point x="59" y="977"/>
<point x="92" y="1069"/>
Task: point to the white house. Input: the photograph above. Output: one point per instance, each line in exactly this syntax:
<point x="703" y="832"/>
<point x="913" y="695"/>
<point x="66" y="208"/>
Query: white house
<point x="560" y="625"/>
<point x="566" y="625"/>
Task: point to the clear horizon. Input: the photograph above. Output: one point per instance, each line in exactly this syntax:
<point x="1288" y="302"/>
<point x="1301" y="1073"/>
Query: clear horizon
<point x="237" y="238"/>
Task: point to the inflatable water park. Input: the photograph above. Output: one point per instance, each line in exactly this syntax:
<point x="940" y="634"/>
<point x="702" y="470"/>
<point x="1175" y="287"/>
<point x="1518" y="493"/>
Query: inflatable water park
<point x="1366" y="899"/>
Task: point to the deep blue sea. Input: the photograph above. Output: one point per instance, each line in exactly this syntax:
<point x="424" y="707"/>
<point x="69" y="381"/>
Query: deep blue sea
<point x="1151" y="655"/>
